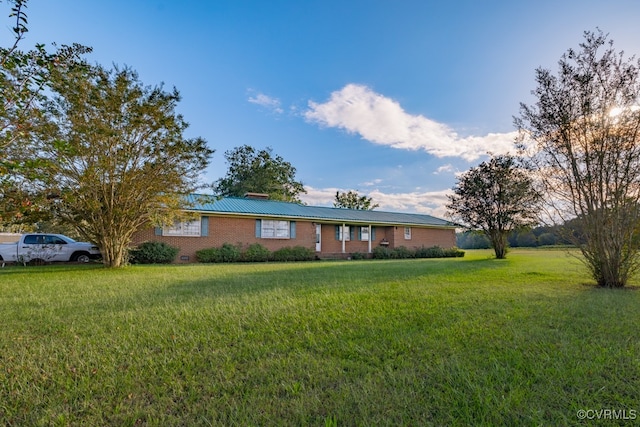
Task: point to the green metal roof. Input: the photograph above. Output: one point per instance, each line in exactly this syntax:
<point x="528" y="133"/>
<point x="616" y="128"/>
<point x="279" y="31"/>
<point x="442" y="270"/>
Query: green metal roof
<point x="285" y="210"/>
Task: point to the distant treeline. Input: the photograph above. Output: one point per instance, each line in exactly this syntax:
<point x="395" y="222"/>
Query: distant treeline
<point x="539" y="236"/>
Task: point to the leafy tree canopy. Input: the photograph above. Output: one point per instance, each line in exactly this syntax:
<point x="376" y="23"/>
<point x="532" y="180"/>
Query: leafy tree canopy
<point x="352" y="200"/>
<point x="259" y="171"/>
<point x="113" y="152"/>
<point x="582" y="136"/>
<point x="496" y="197"/>
<point x="24" y="78"/>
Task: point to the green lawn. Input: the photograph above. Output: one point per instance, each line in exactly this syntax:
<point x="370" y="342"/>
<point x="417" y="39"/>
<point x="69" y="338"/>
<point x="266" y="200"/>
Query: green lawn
<point x="467" y="341"/>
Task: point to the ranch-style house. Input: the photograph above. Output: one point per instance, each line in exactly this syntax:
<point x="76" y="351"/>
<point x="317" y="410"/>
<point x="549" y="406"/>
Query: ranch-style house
<point x="331" y="232"/>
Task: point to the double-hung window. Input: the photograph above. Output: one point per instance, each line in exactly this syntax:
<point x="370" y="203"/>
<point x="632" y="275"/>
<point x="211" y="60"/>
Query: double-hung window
<point x="274" y="229"/>
<point x="346" y="231"/>
<point x="183" y="228"/>
<point x="407" y="233"/>
<point x="364" y="234"/>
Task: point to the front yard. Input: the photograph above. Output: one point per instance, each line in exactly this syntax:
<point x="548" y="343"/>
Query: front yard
<point x="461" y="341"/>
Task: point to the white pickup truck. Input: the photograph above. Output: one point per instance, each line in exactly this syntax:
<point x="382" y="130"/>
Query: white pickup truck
<point x="39" y="248"/>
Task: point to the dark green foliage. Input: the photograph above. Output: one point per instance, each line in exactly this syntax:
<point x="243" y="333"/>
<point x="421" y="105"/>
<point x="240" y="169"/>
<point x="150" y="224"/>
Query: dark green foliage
<point x="296" y="253"/>
<point x="153" y="253"/>
<point x="402" y="252"/>
<point x="381" y="252"/>
<point x="226" y="253"/>
<point x="208" y="255"/>
<point x="496" y="197"/>
<point x="547" y="239"/>
<point x="358" y="256"/>
<point x="253" y="171"/>
<point x="25" y="77"/>
<point x="230" y="253"/>
<point x="352" y="200"/>
<point x="432" y="252"/>
<point x="256" y="253"/>
<point x="472" y="240"/>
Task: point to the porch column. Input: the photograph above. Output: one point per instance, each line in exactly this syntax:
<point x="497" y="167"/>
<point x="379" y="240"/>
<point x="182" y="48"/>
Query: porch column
<point x="343" y="238"/>
<point x="370" y="237"/>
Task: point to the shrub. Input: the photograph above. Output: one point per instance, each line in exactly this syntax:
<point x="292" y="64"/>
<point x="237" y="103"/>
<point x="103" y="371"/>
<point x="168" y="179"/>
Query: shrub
<point x="381" y="252"/>
<point x="438" y="252"/>
<point x="153" y="253"/>
<point x="256" y="253"/>
<point x="230" y="253"/>
<point x="296" y="253"/>
<point x="208" y="255"/>
<point x="402" y="252"/>
<point x="453" y="253"/>
<point x="358" y="255"/>
<point x="226" y="253"/>
<point x="432" y="252"/>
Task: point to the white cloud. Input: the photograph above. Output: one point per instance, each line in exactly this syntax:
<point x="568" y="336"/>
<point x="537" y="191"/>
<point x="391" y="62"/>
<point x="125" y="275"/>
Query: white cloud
<point x="444" y="169"/>
<point x="381" y="120"/>
<point x="268" y="102"/>
<point x="428" y="202"/>
<point x="372" y="183"/>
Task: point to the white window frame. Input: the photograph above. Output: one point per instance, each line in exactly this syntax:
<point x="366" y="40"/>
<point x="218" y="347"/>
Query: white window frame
<point x="183" y="229"/>
<point x="364" y="234"/>
<point x="347" y="233"/>
<point x="275" y="229"/>
<point x="407" y="233"/>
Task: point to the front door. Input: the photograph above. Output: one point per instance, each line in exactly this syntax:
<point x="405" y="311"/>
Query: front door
<point x="318" y="237"/>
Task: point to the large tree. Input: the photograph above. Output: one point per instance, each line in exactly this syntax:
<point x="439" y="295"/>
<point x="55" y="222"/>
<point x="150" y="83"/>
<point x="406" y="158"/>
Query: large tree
<point x="582" y="134"/>
<point x="24" y="78"/>
<point x="115" y="155"/>
<point x="259" y="171"/>
<point x="495" y="197"/>
<point x="352" y="200"/>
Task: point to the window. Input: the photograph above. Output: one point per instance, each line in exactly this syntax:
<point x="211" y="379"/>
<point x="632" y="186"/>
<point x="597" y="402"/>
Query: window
<point x="346" y="231"/>
<point x="272" y="229"/>
<point x="407" y="233"/>
<point x="364" y="234"/>
<point x="183" y="228"/>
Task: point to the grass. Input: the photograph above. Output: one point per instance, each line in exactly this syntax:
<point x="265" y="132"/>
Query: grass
<point x="471" y="341"/>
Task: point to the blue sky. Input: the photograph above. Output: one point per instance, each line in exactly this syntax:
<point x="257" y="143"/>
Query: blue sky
<point x="392" y="99"/>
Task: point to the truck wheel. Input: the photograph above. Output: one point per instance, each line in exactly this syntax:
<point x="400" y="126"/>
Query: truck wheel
<point x="81" y="257"/>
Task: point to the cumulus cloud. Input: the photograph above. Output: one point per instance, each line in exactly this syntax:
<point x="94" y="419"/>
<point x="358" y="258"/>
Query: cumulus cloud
<point x="444" y="169"/>
<point x="268" y="102"/>
<point x="381" y="120"/>
<point x="427" y="202"/>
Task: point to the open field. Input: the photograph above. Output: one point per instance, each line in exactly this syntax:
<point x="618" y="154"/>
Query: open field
<point x="465" y="341"/>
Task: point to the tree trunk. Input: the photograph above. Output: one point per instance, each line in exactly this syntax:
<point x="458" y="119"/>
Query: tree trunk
<point x="499" y="243"/>
<point x="113" y="252"/>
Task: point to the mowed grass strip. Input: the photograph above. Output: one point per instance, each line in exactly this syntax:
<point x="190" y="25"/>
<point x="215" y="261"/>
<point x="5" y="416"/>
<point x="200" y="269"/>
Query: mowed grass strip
<point x="472" y="341"/>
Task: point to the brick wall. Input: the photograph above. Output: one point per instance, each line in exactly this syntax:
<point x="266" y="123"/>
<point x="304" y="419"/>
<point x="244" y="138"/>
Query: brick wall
<point x="237" y="231"/>
<point x="445" y="238"/>
<point x="242" y="232"/>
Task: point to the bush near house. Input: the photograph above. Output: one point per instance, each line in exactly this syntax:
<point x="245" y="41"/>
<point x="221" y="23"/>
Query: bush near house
<point x="153" y="253"/>
<point x="226" y="253"/>
<point x="403" y="252"/>
<point x="256" y="253"/>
